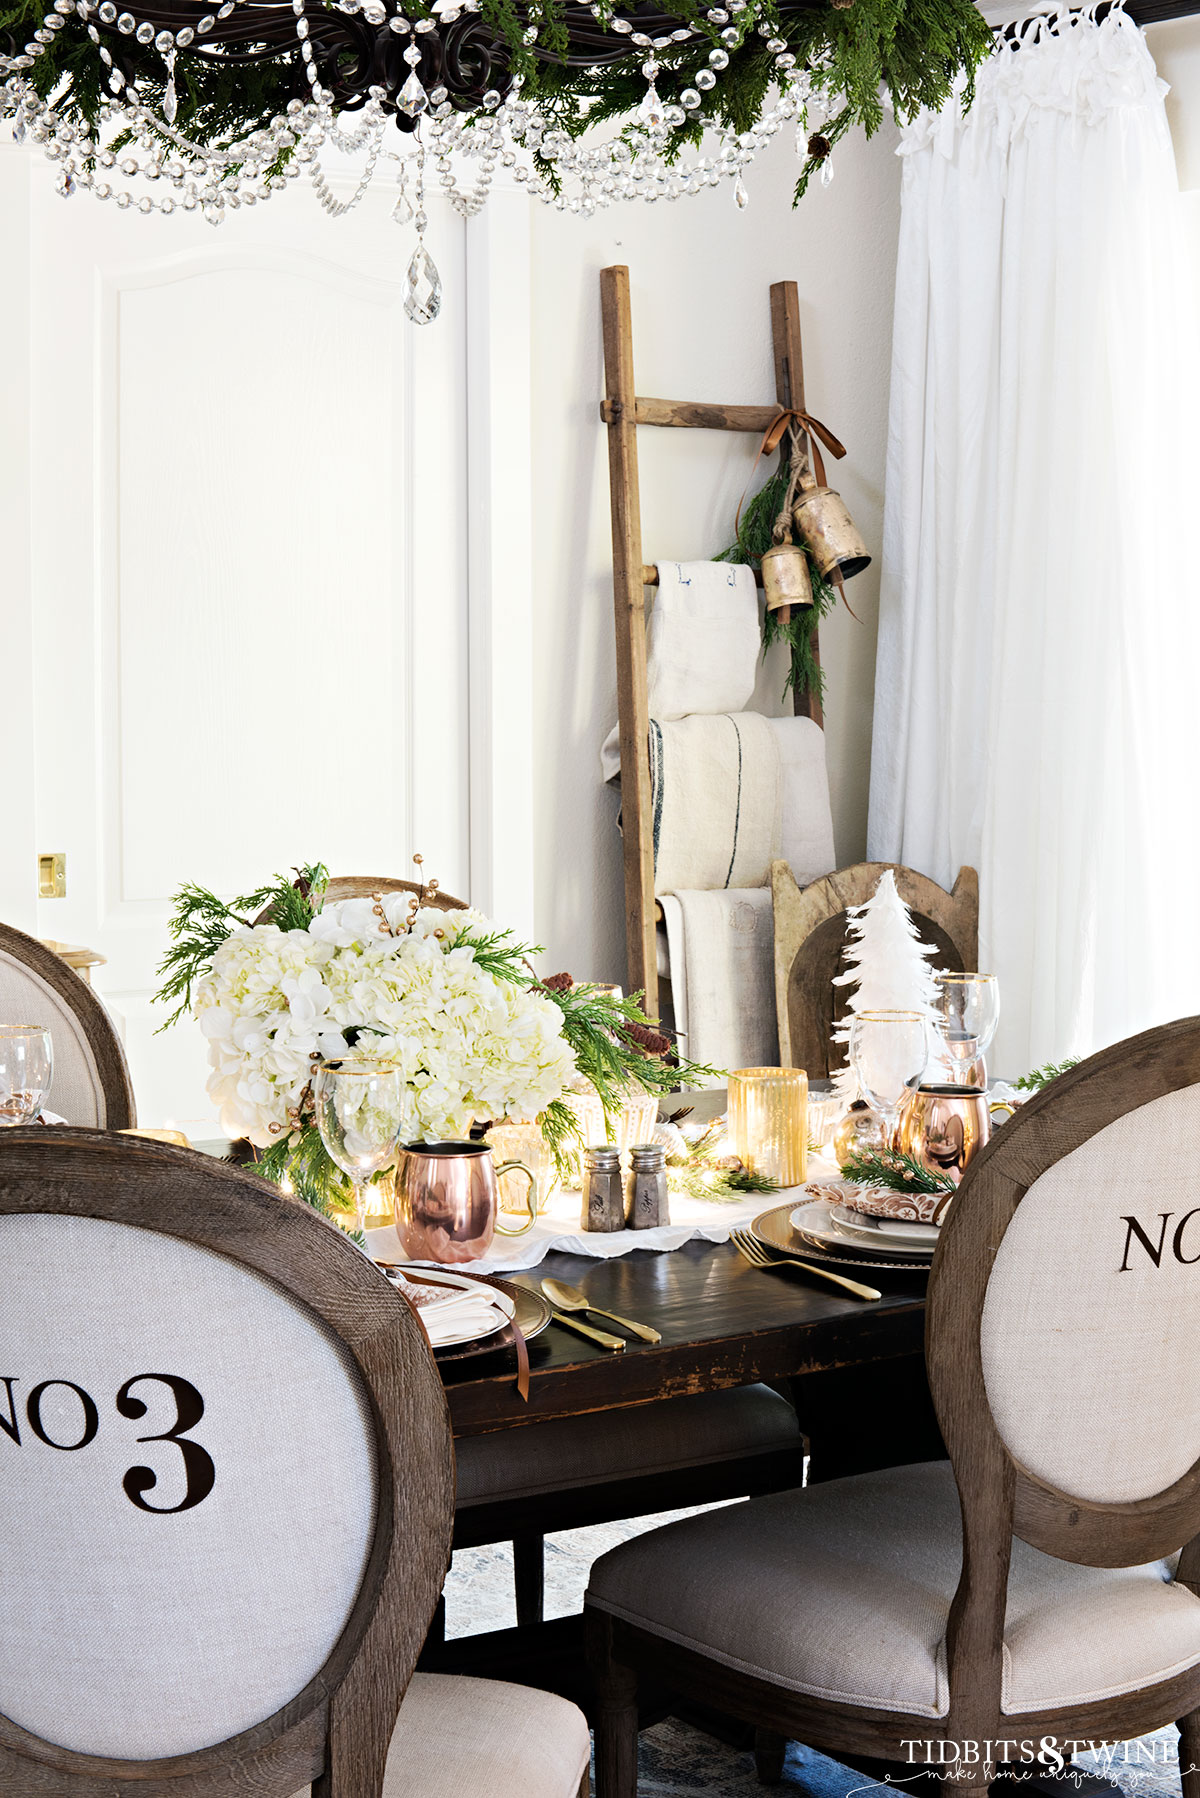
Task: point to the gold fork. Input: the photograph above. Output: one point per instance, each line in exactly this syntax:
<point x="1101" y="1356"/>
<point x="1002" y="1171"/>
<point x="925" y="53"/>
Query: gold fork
<point x="751" y="1250"/>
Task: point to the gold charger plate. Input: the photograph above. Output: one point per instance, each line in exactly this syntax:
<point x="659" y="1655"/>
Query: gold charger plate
<point x="775" y="1231"/>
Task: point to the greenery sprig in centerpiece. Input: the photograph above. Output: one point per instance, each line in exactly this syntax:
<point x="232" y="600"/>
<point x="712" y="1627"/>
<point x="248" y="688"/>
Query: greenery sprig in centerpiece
<point x="1034" y="1081"/>
<point x="896" y="1170"/>
<point x="281" y="981"/>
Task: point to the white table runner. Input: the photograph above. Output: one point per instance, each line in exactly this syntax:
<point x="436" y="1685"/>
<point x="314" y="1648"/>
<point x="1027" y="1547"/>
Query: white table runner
<point x="558" y="1228"/>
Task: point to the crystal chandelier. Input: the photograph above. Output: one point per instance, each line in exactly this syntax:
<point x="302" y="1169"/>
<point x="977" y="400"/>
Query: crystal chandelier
<point x="178" y="108"/>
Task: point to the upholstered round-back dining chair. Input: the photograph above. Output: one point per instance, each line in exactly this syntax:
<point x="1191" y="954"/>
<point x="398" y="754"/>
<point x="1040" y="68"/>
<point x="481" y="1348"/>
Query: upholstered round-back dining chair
<point x="1026" y="1588"/>
<point x="228" y="1499"/>
<point x="91" y="1078"/>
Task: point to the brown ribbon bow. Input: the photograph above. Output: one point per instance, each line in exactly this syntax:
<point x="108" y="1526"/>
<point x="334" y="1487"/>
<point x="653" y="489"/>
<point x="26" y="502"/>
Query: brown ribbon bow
<point x="789" y="418"/>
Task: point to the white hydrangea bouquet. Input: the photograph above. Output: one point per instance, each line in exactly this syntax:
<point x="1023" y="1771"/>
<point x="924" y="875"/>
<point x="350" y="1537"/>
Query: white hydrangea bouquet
<point x="281" y="982"/>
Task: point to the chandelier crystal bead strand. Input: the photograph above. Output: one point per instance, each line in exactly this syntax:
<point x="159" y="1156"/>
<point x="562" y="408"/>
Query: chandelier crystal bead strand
<point x="149" y="122"/>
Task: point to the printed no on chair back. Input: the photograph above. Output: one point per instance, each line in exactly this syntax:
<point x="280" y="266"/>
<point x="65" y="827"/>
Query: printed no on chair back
<point x="1064" y="1316"/>
<point x="227" y="1476"/>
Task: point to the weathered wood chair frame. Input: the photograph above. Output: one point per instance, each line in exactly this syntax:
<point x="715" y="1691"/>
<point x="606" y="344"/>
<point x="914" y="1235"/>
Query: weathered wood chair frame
<point x="623" y="411"/>
<point x="810" y="935"/>
<point x="998" y="1497"/>
<point x="99" y="1029"/>
<point x="336" y="1732"/>
<point x="361" y="886"/>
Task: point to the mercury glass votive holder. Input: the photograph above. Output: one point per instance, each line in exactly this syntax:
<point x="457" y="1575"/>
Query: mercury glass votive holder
<point x="768" y="1122"/>
<point x="633" y="1120"/>
<point x="520" y="1139"/>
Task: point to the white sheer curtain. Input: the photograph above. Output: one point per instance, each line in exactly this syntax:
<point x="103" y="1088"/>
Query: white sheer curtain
<point x="1037" y="623"/>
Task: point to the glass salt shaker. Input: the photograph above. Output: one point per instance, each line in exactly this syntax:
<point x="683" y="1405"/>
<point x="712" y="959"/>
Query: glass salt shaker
<point x="603" y="1198"/>
<point x="648" y="1201"/>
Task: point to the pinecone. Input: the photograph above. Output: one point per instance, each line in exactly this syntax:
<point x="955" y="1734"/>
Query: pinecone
<point x="558" y="983"/>
<point x="818" y="146"/>
<point x="650" y="1040"/>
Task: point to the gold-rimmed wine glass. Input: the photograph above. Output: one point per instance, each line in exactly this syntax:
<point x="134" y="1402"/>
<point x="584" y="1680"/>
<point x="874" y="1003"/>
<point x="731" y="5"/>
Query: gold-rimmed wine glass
<point x="26" y="1071"/>
<point x="967" y="1008"/>
<point x="364" y="1110"/>
<point x="889" y="1051"/>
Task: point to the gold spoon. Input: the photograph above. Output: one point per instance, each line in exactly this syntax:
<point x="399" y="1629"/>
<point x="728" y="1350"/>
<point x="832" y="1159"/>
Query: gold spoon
<point x="570" y="1298"/>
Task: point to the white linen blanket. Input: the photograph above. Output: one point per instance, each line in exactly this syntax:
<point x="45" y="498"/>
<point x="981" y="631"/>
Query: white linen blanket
<point x="722" y="961"/>
<point x="716" y="797"/>
<point x="702" y="645"/>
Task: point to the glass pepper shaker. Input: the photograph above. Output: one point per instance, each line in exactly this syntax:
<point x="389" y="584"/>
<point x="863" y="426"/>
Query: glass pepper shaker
<point x="603" y="1198"/>
<point x="648" y="1200"/>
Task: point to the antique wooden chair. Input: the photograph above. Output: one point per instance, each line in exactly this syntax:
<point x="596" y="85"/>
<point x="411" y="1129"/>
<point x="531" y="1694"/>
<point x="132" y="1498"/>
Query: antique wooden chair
<point x="91" y="1079"/>
<point x="1022" y="1589"/>
<point x="361" y="886"/>
<point x="810" y="935"/>
<point x="228" y="1502"/>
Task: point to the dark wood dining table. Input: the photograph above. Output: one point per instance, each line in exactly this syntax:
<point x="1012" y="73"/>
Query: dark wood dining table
<point x="854" y="1369"/>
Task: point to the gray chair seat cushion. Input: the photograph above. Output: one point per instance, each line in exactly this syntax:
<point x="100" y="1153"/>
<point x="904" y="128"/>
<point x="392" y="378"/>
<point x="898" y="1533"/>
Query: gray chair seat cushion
<point x="618" y="1445"/>
<point x="842" y="1591"/>
<point x="480" y="1738"/>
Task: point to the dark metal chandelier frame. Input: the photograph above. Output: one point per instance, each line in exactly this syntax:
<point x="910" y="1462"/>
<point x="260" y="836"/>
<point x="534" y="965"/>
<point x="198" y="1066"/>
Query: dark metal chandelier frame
<point x="354" y="56"/>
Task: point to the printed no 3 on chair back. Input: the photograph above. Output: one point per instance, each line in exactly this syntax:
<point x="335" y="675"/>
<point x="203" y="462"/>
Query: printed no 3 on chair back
<point x="193" y="1465"/>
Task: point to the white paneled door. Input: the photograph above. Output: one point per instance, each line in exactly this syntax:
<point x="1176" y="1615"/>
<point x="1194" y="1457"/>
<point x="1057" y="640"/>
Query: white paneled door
<point x="247" y="560"/>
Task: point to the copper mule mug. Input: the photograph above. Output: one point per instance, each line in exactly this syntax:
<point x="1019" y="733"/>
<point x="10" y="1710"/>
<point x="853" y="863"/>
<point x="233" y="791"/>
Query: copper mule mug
<point x="447" y="1201"/>
<point x="942" y="1127"/>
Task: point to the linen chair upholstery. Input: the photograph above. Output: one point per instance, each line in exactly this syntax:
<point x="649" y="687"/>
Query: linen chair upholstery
<point x="91" y="1080"/>
<point x="1028" y="1587"/>
<point x="229" y="1435"/>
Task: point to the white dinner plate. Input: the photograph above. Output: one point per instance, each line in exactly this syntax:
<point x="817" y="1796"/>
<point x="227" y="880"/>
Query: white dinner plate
<point x="815" y="1221"/>
<point x="858" y="1224"/>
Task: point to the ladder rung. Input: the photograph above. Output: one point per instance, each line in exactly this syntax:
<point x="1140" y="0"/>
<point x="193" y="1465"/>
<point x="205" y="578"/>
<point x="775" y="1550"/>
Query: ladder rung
<point x="650" y="575"/>
<point x="694" y="414"/>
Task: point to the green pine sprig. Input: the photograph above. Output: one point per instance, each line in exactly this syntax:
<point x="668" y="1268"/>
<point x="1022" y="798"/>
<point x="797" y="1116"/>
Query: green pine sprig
<point x="895" y="1170"/>
<point x="201" y="922"/>
<point x="755" y="536"/>
<point x="1034" y="1081"/>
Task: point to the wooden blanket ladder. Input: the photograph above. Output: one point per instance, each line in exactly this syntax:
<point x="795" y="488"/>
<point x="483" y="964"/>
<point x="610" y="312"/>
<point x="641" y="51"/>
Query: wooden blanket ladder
<point x="623" y="411"/>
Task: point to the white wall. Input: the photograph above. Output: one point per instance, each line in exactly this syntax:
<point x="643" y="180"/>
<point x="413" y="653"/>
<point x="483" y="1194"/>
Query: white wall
<point x="700" y="272"/>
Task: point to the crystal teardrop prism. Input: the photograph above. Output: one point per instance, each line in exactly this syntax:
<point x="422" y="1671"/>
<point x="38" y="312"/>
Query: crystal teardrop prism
<point x="827" y="171"/>
<point x="412" y="98"/>
<point x="66" y="184"/>
<point x="18" y="132"/>
<point x="741" y="197"/>
<point x="651" y="111"/>
<point x="170" y="101"/>
<point x="423" y="301"/>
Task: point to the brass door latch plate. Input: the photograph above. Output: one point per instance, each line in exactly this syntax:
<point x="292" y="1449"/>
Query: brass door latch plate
<point x="52" y="876"/>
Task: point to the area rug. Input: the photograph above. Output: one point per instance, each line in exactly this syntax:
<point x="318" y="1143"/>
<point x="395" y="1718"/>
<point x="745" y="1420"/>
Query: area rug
<point x="676" y="1761"/>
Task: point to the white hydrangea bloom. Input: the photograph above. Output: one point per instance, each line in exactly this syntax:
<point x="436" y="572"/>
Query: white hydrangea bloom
<point x="470" y="1046"/>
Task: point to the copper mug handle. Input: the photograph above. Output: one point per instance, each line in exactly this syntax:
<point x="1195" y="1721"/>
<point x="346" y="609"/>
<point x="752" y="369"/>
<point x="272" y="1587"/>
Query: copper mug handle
<point x="531" y="1198"/>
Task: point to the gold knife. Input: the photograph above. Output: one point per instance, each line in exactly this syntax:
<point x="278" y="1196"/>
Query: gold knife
<point x="600" y="1336"/>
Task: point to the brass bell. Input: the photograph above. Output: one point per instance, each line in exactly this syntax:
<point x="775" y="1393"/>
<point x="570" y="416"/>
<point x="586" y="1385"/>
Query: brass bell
<point x="823" y="520"/>
<point x="785" y="576"/>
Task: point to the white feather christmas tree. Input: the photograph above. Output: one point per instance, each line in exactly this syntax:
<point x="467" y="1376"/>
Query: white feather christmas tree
<point x="887" y="962"/>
